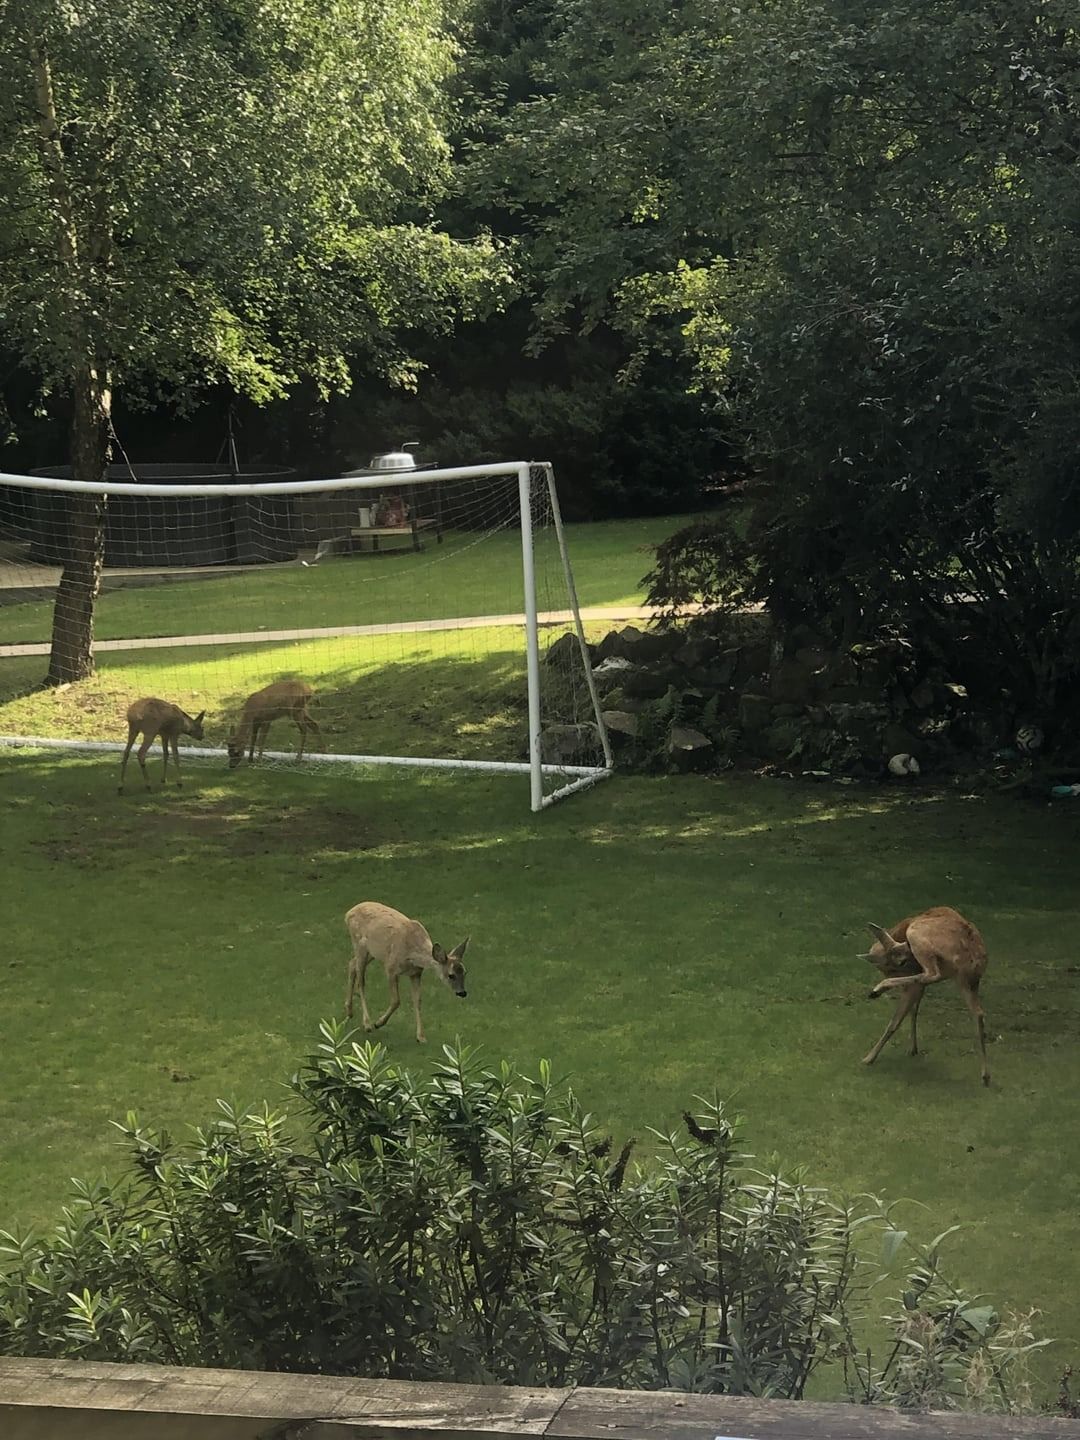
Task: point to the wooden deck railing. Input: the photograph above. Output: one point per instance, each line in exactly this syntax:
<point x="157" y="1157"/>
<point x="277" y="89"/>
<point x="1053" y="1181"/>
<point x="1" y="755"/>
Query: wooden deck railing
<point x="79" y="1400"/>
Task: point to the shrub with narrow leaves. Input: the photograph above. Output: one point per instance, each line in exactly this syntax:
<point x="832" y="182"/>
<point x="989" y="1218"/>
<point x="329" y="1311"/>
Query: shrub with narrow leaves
<point x="478" y="1227"/>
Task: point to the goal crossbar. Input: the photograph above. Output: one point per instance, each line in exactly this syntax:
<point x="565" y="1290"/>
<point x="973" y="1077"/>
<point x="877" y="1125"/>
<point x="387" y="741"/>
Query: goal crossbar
<point x="377" y="480"/>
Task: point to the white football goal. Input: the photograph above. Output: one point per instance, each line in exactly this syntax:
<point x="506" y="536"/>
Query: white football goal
<point x="432" y="612"/>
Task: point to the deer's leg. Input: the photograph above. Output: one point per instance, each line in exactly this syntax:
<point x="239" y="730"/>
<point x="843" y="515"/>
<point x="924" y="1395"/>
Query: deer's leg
<point x="919" y="993"/>
<point x="164" y="761"/>
<point x="907" y="1003"/>
<point x="414" y="981"/>
<point x="306" y="723"/>
<point x="358" y="965"/>
<point x="176" y="762"/>
<point x="263" y="731"/>
<point x="132" y="732"/>
<point x="140" y="755"/>
<point x="930" y="976"/>
<point x="395" y="1001"/>
<point x="971" y="1000"/>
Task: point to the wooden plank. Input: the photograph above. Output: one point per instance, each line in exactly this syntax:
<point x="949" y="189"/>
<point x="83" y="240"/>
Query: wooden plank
<point x="595" y="1414"/>
<point x="58" y="1399"/>
<point x="92" y="1399"/>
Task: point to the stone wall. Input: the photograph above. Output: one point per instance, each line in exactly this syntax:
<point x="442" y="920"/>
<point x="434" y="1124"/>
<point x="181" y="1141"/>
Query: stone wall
<point x="721" y="691"/>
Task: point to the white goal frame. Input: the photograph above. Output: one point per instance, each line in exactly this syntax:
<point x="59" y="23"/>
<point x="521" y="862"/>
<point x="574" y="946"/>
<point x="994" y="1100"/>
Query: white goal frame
<point x="581" y="777"/>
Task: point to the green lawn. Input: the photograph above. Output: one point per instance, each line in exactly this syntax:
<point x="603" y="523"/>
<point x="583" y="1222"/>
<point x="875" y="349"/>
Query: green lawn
<point x="467" y="575"/>
<point x="655" y="938"/>
<point x="460" y="693"/>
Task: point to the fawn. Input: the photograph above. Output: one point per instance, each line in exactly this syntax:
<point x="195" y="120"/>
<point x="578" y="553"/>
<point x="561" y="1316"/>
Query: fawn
<point x="285" y="698"/>
<point x="150" y="718"/>
<point x="921" y="950"/>
<point x="404" y="947"/>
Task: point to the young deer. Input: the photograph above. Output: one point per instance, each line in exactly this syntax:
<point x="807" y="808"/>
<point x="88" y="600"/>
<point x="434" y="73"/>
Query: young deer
<point x="284" y="699"/>
<point x="404" y="947"/>
<point x="150" y="718"/>
<point x="921" y="950"/>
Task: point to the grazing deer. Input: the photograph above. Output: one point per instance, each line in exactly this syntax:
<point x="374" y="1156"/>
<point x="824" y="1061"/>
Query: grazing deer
<point x="284" y="699"/>
<point x="405" y="948"/>
<point x="921" y="950"/>
<point x="150" y="718"/>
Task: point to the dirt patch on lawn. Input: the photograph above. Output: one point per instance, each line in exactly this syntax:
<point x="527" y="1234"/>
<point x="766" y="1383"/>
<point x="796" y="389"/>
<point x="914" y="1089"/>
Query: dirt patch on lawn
<point x="225" y="826"/>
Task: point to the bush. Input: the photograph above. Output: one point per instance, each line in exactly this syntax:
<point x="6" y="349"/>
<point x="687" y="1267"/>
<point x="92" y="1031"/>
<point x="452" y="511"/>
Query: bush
<point x="478" y="1227"/>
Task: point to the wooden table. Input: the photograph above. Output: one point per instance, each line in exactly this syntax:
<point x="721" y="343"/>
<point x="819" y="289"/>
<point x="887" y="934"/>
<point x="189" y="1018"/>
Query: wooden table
<point x="413" y="531"/>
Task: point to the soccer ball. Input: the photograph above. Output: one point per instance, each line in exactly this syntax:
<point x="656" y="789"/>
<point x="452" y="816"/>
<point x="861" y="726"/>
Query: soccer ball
<point x="1029" y="738"/>
<point x="903" y="765"/>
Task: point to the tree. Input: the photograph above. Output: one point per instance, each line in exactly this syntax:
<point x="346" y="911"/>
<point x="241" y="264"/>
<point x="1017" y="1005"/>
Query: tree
<point x="864" y="220"/>
<point x="217" y="191"/>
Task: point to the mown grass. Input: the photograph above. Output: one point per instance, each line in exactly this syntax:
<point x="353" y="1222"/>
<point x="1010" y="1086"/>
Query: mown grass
<point x="467" y="575"/>
<point x="656" y="939"/>
<point x="460" y="693"/>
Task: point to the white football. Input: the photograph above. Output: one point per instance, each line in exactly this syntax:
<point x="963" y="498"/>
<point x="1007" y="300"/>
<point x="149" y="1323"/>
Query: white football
<point x="903" y="765"/>
<point x="1029" y="738"/>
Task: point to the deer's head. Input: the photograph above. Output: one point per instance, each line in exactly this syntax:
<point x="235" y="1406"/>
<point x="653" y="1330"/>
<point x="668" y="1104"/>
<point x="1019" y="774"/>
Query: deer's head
<point x="450" y="967"/>
<point x="195" y="726"/>
<point x="236" y="754"/>
<point x="892" y="957"/>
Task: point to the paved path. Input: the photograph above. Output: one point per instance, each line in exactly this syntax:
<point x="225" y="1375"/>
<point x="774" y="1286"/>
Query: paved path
<point x="404" y="627"/>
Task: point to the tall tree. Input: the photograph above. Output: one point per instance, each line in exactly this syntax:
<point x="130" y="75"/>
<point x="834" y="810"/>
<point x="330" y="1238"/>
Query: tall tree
<point x="866" y="220"/>
<point x="216" y="191"/>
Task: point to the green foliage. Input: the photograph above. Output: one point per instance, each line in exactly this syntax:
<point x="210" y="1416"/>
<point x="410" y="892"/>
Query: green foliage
<point x="872" y="263"/>
<point x="708" y="563"/>
<point x="478" y="1227"/>
<point x="205" y="193"/>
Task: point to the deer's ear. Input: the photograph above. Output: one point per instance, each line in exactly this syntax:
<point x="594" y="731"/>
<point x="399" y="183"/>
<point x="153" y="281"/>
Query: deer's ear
<point x="881" y="936"/>
<point x="458" y="952"/>
<point x="199" y="716"/>
<point x="438" y="954"/>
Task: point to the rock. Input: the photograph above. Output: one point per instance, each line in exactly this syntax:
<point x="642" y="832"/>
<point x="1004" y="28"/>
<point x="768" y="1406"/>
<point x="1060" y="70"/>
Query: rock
<point x="641" y="684"/>
<point x="711" y="678"/>
<point x="755" y="712"/>
<point x="621" y="725"/>
<point x="792" y="683"/>
<point x="922" y="697"/>
<point x="851" y="694"/>
<point x="697" y="653"/>
<point x="788" y="712"/>
<point x="753" y="660"/>
<point x="614" y="665"/>
<point x="641" y="646"/>
<point x="611" y="699"/>
<point x="570" y="745"/>
<point x="564" y="651"/>
<point x="689" y="749"/>
<point x="606" y="647"/>
<point x="814" y="657"/>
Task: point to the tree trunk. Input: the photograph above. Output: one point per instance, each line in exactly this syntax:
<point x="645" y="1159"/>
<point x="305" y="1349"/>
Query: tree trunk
<point x="72" y="655"/>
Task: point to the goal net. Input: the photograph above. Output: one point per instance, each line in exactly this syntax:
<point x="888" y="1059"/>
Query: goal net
<point x="431" y="612"/>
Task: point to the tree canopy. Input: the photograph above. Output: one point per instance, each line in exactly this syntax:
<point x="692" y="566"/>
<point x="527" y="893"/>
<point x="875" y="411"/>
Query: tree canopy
<point x="207" y="192"/>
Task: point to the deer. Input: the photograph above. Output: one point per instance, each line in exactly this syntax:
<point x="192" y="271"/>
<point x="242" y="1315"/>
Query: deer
<point x="285" y="698"/>
<point x="150" y="718"/>
<point x="936" y="944"/>
<point x="405" y="948"/>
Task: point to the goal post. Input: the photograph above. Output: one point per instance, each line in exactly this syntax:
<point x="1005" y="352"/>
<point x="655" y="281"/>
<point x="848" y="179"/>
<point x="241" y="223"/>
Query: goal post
<point x="197" y="574"/>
